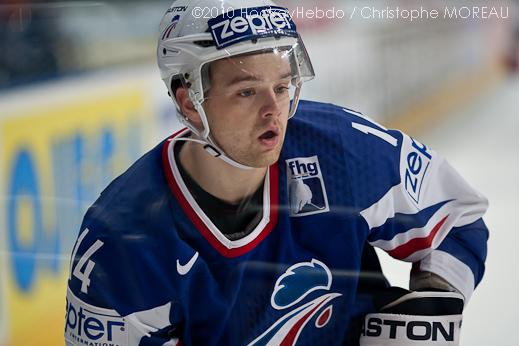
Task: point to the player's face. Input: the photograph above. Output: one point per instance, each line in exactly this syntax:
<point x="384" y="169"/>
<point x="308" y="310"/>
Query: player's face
<point x="247" y="106"/>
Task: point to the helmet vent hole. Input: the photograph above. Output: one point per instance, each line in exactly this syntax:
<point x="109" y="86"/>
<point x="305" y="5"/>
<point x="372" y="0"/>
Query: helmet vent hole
<point x="204" y="43"/>
<point x="170" y="52"/>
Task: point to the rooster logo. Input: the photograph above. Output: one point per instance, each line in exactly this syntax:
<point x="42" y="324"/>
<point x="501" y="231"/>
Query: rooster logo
<point x="292" y="288"/>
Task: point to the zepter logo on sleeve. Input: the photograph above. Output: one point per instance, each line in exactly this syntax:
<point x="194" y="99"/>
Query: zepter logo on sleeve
<point x="415" y="161"/>
<point x="90" y="325"/>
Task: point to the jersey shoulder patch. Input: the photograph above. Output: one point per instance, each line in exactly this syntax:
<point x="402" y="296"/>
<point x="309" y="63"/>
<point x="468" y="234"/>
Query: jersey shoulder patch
<point x="87" y="324"/>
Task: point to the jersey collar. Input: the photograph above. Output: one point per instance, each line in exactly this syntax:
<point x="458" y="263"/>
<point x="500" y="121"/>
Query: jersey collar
<point x="226" y="247"/>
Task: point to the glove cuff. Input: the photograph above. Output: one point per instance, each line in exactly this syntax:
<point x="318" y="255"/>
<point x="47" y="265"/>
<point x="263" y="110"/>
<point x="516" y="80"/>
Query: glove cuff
<point x="426" y="304"/>
<point x="425" y="281"/>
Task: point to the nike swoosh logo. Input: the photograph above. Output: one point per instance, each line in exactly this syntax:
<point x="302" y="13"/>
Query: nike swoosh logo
<point x="185" y="268"/>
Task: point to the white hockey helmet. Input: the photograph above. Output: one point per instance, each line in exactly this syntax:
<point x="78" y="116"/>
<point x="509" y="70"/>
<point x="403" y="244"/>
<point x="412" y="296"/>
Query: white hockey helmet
<point x="194" y="33"/>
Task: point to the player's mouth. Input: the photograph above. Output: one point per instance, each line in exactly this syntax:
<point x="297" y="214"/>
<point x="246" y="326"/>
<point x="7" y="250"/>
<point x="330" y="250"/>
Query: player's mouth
<point x="270" y="138"/>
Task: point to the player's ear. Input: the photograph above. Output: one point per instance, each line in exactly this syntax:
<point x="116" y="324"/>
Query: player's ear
<point x="187" y="108"/>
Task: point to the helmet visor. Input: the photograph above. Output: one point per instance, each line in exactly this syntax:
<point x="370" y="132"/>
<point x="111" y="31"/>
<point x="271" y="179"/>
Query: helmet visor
<point x="274" y="74"/>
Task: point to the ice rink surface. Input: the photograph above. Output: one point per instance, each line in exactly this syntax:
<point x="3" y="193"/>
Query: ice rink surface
<point x="482" y="142"/>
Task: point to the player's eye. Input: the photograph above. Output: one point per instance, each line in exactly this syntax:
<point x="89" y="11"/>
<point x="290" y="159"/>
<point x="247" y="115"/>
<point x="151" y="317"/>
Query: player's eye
<point x="247" y="93"/>
<point x="281" y="90"/>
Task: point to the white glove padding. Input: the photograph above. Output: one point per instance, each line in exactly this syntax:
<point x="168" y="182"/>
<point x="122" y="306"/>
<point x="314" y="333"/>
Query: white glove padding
<point x="300" y="195"/>
<point x="415" y="318"/>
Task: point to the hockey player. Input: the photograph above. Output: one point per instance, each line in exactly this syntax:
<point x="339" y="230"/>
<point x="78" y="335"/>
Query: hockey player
<point x="247" y="228"/>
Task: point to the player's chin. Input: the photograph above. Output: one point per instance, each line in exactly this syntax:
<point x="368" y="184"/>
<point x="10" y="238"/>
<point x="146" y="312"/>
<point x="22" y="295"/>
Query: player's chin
<point x="269" y="158"/>
<point x="264" y="158"/>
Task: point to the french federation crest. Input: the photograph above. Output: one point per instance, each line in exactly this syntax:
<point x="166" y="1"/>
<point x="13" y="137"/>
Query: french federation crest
<point x="306" y="190"/>
<point x="289" y="294"/>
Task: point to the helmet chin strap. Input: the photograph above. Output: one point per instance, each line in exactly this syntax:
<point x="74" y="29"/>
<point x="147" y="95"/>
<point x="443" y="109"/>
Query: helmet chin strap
<point x="204" y="139"/>
<point x="213" y="150"/>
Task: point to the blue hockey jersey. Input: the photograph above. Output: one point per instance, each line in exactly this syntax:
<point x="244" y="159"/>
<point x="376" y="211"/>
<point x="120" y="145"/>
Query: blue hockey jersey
<point x="150" y="268"/>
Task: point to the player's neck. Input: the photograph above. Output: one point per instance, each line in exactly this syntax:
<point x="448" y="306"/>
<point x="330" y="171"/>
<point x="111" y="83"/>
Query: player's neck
<point x="217" y="177"/>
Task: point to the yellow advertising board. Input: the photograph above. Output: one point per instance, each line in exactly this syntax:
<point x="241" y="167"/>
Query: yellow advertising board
<point x="54" y="162"/>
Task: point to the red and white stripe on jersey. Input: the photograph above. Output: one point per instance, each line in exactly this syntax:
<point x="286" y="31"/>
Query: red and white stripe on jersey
<point x="409" y="245"/>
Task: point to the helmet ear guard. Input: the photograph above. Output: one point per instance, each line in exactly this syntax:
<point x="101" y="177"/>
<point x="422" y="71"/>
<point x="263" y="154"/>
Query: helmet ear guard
<point x="180" y="81"/>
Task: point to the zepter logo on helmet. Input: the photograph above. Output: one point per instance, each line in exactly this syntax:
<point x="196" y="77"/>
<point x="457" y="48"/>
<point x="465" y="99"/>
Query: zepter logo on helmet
<point x="196" y="33"/>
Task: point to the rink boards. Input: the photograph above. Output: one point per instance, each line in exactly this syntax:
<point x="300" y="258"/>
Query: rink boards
<point x="59" y="146"/>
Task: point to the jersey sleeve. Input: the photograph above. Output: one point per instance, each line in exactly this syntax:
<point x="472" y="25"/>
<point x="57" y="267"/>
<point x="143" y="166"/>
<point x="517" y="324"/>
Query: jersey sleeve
<point x="116" y="294"/>
<point x="432" y="217"/>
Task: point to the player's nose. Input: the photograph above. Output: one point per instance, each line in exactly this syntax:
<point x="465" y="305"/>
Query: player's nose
<point x="271" y="104"/>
